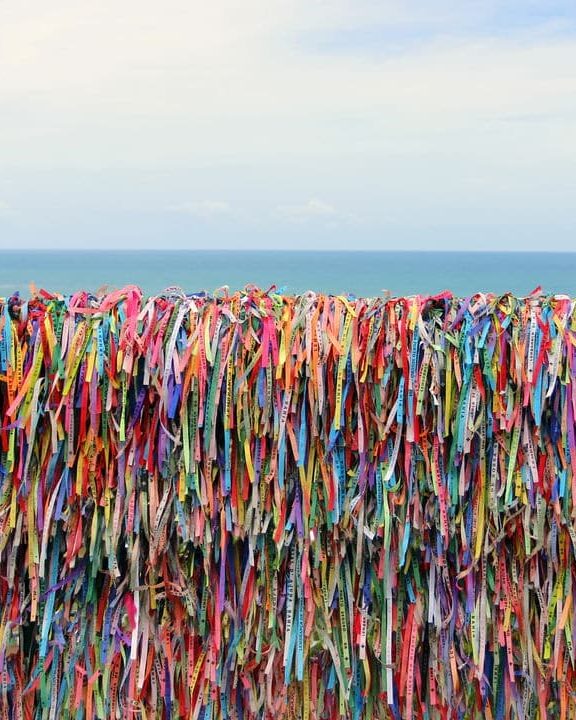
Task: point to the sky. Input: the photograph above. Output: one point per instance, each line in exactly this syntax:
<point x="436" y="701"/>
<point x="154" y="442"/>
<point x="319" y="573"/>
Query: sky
<point x="301" y="124"/>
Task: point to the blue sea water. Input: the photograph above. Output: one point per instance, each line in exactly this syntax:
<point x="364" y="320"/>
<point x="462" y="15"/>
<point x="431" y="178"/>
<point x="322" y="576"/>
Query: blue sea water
<point x="356" y="273"/>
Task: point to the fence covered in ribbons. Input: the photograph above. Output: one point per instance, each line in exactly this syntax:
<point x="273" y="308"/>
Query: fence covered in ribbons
<point x="264" y="506"/>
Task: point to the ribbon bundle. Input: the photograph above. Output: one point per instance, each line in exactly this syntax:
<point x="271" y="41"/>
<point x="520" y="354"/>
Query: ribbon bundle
<point x="263" y="506"/>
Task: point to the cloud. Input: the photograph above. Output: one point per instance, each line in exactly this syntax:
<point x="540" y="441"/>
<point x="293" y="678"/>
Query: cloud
<point x="204" y="209"/>
<point x="313" y="211"/>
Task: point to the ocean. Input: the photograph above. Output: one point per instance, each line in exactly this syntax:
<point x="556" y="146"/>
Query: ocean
<point x="355" y="273"/>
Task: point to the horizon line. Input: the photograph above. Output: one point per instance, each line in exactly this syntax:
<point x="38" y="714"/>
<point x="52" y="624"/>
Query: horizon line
<point x="440" y="251"/>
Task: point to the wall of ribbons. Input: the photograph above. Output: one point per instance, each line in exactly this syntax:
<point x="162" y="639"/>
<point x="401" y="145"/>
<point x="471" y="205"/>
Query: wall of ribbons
<point x="254" y="505"/>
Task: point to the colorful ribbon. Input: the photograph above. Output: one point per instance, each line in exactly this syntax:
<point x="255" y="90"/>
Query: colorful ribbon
<point x="263" y="506"/>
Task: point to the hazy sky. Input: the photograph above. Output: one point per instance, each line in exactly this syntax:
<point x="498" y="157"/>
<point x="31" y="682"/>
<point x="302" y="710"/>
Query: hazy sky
<point x="341" y="124"/>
